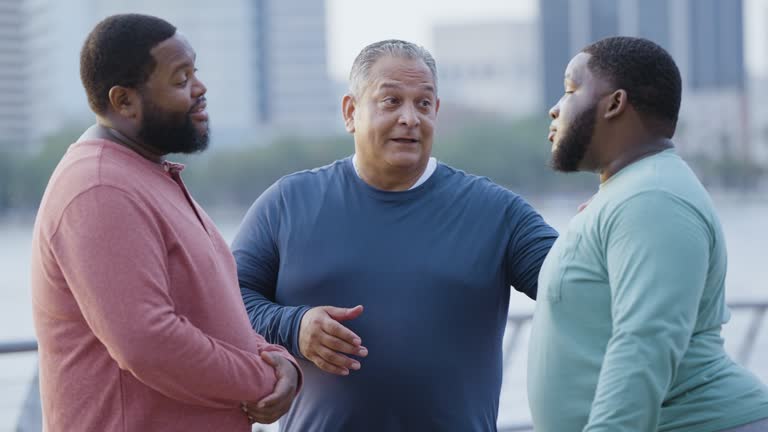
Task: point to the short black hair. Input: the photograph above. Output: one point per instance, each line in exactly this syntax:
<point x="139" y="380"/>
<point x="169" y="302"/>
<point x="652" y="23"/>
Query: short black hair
<point x="645" y="71"/>
<point x="117" y="52"/>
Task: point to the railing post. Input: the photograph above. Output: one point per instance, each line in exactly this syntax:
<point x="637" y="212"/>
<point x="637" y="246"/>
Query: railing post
<point x="31" y="417"/>
<point x="512" y="339"/>
<point x="749" y="339"/>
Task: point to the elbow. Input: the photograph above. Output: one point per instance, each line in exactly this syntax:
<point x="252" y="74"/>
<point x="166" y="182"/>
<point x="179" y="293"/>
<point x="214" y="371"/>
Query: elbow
<point x="148" y="346"/>
<point x="138" y="358"/>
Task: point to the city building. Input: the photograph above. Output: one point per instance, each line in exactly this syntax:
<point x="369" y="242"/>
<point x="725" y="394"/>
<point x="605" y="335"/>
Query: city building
<point x="489" y="66"/>
<point x="14" y="109"/>
<point x="706" y="39"/>
<point x="263" y="61"/>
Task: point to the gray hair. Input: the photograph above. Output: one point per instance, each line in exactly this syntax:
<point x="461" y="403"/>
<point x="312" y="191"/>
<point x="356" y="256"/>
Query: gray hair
<point x="361" y="67"/>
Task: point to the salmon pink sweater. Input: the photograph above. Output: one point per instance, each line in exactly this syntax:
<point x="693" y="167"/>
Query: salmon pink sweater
<point x="137" y="309"/>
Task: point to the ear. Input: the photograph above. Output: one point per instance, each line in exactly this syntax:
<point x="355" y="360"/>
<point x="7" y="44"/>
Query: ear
<point x="124" y="101"/>
<point x="437" y="106"/>
<point x="348" y="111"/>
<point x="617" y="103"/>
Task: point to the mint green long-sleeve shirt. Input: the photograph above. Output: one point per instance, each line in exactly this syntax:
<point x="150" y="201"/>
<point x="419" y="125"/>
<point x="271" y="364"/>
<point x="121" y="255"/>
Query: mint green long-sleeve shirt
<point x="626" y="333"/>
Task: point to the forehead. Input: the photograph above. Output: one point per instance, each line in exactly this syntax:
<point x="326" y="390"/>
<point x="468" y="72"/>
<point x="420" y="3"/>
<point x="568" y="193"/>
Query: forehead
<point x="401" y="71"/>
<point x="173" y="52"/>
<point x="578" y="68"/>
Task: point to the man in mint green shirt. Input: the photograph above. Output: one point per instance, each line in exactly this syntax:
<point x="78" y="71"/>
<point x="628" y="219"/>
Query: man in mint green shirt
<point x="626" y="333"/>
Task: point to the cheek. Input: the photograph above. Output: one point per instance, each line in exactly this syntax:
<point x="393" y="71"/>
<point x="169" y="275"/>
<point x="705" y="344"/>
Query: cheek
<point x="565" y="109"/>
<point x="176" y="100"/>
<point x="428" y="124"/>
<point x="572" y="108"/>
<point x="564" y="120"/>
<point x="382" y="121"/>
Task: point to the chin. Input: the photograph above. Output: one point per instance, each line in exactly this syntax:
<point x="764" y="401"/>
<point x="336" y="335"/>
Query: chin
<point x="202" y="128"/>
<point x="405" y="160"/>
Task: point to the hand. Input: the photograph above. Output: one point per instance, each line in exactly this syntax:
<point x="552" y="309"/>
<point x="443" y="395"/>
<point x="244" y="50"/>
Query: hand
<point x="584" y="205"/>
<point x="323" y="341"/>
<point x="269" y="409"/>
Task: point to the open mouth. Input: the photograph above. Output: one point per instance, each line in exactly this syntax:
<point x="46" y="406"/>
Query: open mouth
<point x="552" y="133"/>
<point x="198" y="112"/>
<point x="405" y="140"/>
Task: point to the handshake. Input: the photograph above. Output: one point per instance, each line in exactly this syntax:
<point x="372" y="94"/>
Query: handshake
<point x="269" y="409"/>
<point x="322" y="340"/>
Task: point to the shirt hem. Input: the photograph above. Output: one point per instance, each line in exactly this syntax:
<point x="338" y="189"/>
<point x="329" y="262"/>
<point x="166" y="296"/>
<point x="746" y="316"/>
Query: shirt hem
<point x="721" y="425"/>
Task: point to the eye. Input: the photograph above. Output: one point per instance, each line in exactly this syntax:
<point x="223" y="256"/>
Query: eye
<point x="426" y="103"/>
<point x="391" y="100"/>
<point x="185" y="79"/>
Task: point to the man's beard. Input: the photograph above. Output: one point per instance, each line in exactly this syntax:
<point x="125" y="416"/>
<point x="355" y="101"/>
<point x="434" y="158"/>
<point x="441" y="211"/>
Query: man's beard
<point x="574" y="144"/>
<point x="171" y="132"/>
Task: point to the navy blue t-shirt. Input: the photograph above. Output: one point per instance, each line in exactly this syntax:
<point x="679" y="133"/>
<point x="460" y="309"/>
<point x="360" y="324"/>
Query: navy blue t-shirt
<point x="433" y="268"/>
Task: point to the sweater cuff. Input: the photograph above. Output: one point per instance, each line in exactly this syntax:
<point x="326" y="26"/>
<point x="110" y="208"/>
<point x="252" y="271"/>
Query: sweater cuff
<point x="297" y="317"/>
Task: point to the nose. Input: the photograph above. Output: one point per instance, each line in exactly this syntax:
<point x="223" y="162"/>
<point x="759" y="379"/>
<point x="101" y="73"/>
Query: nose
<point x="409" y="116"/>
<point x="198" y="89"/>
<point x="554" y="112"/>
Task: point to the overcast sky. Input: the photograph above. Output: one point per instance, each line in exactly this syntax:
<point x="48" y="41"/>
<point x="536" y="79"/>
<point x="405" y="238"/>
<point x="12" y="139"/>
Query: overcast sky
<point x="352" y="24"/>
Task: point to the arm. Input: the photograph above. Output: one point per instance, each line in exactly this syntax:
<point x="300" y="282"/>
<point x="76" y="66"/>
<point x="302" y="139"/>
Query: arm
<point x="274" y="406"/>
<point x="114" y="259"/>
<point x="530" y="241"/>
<point x="311" y="333"/>
<point x="258" y="260"/>
<point x="657" y="258"/>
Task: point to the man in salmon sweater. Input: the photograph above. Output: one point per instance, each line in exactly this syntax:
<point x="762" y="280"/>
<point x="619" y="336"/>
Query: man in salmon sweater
<point x="137" y="309"/>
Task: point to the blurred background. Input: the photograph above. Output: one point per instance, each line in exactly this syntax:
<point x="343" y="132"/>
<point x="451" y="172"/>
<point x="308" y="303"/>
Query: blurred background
<point x="276" y="71"/>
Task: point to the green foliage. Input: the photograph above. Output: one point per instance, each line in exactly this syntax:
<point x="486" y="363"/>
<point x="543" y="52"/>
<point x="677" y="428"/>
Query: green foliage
<point x="512" y="153"/>
<point x="33" y="171"/>
<point x="727" y="172"/>
<point x="7" y="175"/>
<point x="237" y="176"/>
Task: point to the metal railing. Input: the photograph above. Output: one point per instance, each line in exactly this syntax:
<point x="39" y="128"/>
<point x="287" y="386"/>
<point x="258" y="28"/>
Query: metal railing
<point x="18" y="346"/>
<point x="758" y="314"/>
<point x="515" y="325"/>
<point x="517" y="322"/>
<point x="516" y="428"/>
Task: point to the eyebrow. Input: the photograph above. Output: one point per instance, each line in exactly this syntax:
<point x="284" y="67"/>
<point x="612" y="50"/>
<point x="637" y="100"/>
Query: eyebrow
<point x="185" y="64"/>
<point x="392" y="85"/>
<point x="569" y="79"/>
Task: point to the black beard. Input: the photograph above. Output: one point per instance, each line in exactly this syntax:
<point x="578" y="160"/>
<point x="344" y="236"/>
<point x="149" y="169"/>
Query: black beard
<point x="574" y="144"/>
<point x="170" y="132"/>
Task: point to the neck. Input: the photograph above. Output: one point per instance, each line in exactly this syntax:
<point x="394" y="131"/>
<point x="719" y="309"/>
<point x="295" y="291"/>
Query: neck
<point x="633" y="154"/>
<point x="391" y="180"/>
<point x="112" y="132"/>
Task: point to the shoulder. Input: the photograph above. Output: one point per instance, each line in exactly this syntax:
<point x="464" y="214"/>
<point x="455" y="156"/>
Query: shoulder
<point x="302" y="186"/>
<point x="657" y="212"/>
<point x="477" y="188"/>
<point x="88" y="166"/>
<point x="312" y="177"/>
<point x="662" y="184"/>
<point x="93" y="175"/>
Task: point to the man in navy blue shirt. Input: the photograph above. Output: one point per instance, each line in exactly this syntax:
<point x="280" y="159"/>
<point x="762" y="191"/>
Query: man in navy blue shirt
<point x="388" y="273"/>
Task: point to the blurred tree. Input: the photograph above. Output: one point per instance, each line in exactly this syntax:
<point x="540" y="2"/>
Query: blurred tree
<point x="7" y="175"/>
<point x="33" y="171"/>
<point x="512" y="153"/>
